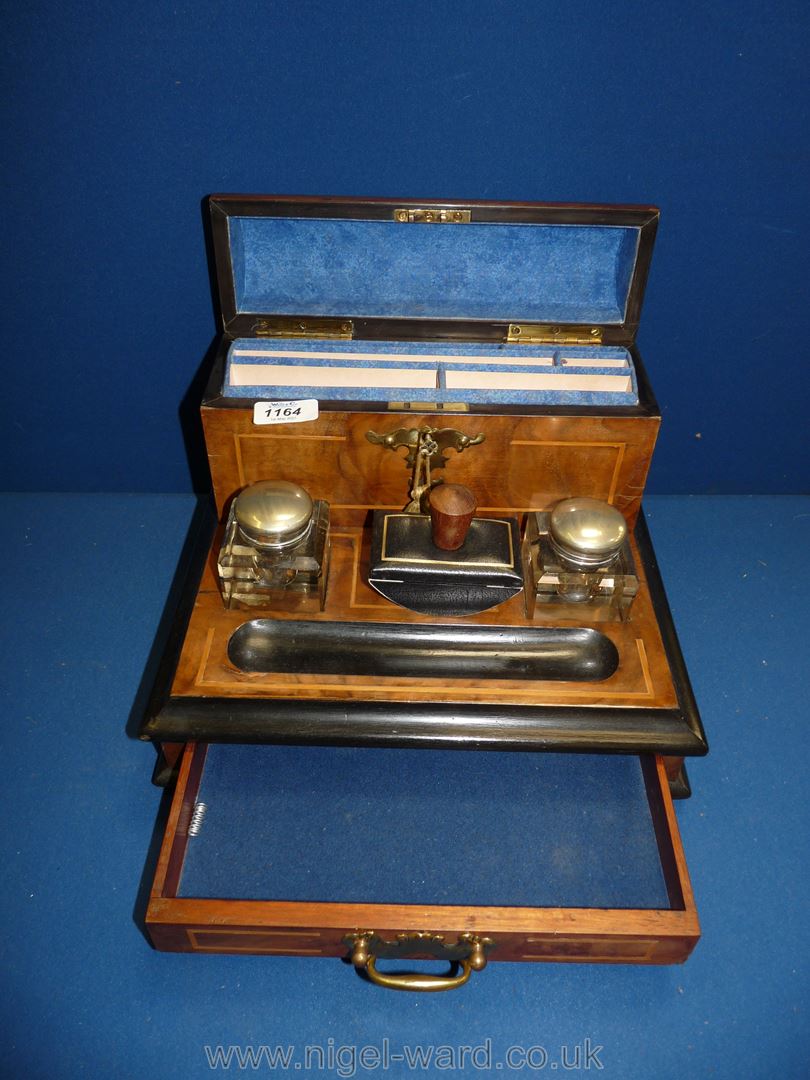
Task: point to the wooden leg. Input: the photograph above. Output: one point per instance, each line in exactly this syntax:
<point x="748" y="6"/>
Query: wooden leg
<point x="678" y="780"/>
<point x="167" y="764"/>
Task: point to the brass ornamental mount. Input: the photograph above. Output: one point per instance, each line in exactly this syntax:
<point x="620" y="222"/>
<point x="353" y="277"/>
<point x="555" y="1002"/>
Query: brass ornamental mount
<point x="468" y="953"/>
<point x="426" y="448"/>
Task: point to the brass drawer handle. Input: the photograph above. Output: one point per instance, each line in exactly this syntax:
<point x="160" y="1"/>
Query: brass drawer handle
<point x="469" y="952"/>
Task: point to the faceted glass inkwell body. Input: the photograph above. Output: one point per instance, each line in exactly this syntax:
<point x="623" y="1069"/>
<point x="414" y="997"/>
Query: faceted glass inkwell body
<point x="578" y="556"/>
<point x="275" y="551"/>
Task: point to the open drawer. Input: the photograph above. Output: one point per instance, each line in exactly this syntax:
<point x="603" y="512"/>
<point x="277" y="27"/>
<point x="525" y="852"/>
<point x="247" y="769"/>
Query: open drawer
<point x="455" y="855"/>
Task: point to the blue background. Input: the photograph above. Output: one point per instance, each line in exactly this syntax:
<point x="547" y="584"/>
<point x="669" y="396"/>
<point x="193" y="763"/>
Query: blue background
<point x="83" y="996"/>
<point x="118" y="119"/>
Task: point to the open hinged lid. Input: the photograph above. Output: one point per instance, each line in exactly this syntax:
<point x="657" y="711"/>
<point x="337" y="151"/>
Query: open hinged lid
<point x="382" y="268"/>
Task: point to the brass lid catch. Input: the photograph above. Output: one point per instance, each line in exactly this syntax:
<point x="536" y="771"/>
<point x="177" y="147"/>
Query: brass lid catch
<point x="428" y="406"/>
<point x="433" y="216"/>
<point x="553" y="334"/>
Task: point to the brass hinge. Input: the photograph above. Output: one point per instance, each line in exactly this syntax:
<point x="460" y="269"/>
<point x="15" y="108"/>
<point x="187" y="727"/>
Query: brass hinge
<point x="304" y="328"/>
<point x="433" y="216"/>
<point x="553" y="334"/>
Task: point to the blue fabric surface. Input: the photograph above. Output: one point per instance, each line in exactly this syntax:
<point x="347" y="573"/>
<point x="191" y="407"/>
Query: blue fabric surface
<point x="344" y="353"/>
<point x="541" y="830"/>
<point x="85" y="996"/>
<point x="544" y="273"/>
<point x="120" y="118"/>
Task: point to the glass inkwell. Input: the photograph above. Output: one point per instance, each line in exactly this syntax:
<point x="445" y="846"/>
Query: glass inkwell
<point x="578" y="556"/>
<point x="275" y="551"/>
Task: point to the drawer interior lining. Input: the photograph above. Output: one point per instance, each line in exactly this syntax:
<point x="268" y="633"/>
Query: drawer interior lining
<point x="360" y="825"/>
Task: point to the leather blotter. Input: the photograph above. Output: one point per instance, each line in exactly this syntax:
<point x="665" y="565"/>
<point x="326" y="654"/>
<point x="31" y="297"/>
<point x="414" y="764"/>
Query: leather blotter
<point x="408" y="569"/>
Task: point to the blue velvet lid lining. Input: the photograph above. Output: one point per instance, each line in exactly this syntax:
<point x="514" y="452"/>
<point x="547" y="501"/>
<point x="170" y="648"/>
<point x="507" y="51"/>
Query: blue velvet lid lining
<point x="424" y="827"/>
<point x="360" y="268"/>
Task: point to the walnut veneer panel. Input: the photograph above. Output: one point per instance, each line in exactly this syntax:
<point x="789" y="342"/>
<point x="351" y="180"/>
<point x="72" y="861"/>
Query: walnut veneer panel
<point x="642" y="679"/>
<point x="526" y="462"/>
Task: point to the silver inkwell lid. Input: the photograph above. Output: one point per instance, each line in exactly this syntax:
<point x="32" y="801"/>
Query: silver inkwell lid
<point x="587" y="533"/>
<point x="273" y="514"/>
